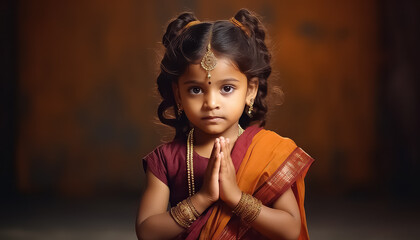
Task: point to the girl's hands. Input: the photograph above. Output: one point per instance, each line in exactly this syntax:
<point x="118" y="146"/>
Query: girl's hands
<point x="229" y="190"/>
<point x="220" y="176"/>
<point x="210" y="189"/>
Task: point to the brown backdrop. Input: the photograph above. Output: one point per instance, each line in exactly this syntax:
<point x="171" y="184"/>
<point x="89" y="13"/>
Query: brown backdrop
<point x="87" y="96"/>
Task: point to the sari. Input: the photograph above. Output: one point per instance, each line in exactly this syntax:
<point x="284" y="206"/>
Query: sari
<point x="267" y="165"/>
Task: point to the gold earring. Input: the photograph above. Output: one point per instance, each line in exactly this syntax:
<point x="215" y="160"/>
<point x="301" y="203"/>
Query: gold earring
<point x="179" y="109"/>
<point x="250" y="108"/>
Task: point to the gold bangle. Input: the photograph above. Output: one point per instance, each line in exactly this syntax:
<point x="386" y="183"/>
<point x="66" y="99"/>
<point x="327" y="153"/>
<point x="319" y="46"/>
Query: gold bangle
<point x="193" y="209"/>
<point x="248" y="208"/>
<point x="238" y="208"/>
<point x="184" y="213"/>
<point x="177" y="218"/>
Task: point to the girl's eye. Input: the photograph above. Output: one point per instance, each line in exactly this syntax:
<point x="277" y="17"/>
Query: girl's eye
<point x="227" y="89"/>
<point x="195" y="90"/>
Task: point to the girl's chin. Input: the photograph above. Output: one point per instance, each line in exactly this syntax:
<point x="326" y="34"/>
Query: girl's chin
<point x="216" y="130"/>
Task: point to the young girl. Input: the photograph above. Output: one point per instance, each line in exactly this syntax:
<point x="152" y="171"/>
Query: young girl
<point x="222" y="182"/>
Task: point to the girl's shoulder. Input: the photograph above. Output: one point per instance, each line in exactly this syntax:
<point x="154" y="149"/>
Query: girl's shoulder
<point x="164" y="159"/>
<point x="167" y="150"/>
<point x="270" y="141"/>
<point x="271" y="138"/>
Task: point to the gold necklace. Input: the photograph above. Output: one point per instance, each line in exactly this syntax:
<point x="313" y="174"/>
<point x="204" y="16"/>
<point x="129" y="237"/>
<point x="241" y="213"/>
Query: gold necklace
<point x="190" y="162"/>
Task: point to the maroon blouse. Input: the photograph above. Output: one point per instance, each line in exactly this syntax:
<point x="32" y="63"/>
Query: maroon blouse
<point x="168" y="163"/>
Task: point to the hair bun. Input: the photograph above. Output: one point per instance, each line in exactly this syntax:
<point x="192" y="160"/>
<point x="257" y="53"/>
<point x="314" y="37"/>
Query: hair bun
<point x="252" y="22"/>
<point x="257" y="30"/>
<point x="176" y="26"/>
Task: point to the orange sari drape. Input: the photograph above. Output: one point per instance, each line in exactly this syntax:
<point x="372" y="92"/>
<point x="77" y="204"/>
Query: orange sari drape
<point x="272" y="164"/>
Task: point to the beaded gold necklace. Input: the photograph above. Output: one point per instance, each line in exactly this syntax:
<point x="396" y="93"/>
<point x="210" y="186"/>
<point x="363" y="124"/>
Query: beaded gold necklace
<point x="190" y="162"/>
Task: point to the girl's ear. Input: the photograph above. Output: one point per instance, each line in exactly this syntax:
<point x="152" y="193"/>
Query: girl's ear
<point x="252" y="90"/>
<point x="175" y="90"/>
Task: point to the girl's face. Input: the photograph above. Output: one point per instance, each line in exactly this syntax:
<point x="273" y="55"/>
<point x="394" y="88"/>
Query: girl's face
<point x="214" y="105"/>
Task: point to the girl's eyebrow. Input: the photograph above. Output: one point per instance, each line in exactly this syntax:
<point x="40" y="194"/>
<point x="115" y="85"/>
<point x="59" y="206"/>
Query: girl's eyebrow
<point x="192" y="82"/>
<point x="229" y="80"/>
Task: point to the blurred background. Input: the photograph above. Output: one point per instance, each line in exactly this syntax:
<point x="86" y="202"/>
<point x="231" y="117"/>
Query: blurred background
<point x="78" y="111"/>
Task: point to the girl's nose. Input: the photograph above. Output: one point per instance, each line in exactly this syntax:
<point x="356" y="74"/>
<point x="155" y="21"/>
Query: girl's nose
<point x="210" y="101"/>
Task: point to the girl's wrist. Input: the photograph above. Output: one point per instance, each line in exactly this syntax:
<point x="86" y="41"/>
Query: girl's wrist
<point x="201" y="202"/>
<point x="234" y="199"/>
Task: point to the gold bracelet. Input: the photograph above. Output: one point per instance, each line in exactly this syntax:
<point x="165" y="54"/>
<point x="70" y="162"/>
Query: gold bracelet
<point x="193" y="209"/>
<point x="248" y="208"/>
<point x="184" y="213"/>
<point x="239" y="207"/>
<point x="177" y="218"/>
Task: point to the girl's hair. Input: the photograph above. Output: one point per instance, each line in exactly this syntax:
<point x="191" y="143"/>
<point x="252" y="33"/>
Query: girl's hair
<point x="245" y="47"/>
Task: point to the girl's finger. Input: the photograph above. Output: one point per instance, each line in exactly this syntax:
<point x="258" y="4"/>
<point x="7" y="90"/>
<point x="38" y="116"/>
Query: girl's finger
<point x="216" y="166"/>
<point x="216" y="149"/>
<point x="216" y="155"/>
<point x="223" y="145"/>
<point x="222" y="161"/>
<point x="228" y="144"/>
<point x="226" y="150"/>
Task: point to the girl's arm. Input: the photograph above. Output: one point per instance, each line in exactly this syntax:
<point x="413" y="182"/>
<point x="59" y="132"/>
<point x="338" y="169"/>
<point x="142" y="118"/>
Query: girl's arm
<point x="282" y="221"/>
<point x="153" y="219"/>
<point x="153" y="216"/>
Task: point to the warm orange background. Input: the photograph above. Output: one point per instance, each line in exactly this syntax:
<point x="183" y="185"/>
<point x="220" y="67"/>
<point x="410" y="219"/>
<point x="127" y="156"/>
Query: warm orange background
<point x="87" y="99"/>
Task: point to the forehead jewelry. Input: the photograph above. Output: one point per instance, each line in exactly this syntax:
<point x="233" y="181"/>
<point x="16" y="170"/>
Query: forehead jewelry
<point x="209" y="61"/>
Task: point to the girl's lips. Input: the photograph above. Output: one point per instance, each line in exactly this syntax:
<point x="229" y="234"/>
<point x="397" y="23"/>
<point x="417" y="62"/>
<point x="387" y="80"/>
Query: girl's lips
<point x="214" y="119"/>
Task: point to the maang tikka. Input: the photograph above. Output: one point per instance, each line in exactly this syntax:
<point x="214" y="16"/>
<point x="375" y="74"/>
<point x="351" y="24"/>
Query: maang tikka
<point x="209" y="61"/>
